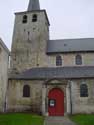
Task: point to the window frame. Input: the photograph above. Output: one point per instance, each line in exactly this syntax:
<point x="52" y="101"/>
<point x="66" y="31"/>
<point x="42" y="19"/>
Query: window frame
<point x="78" y="59"/>
<point x="25" y="18"/>
<point x="34" y="18"/>
<point x="83" y="90"/>
<point x="26" y="91"/>
<point x="58" y="60"/>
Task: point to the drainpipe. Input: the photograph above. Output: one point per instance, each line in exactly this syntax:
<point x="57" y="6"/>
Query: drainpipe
<point x="70" y="97"/>
<point x="5" y="102"/>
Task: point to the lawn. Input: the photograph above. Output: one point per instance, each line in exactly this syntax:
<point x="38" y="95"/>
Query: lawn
<point x="20" y="119"/>
<point x="83" y="119"/>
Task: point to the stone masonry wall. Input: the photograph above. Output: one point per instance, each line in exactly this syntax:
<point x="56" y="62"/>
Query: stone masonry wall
<point x="69" y="59"/>
<point x="82" y="104"/>
<point x="29" y="41"/>
<point x="3" y="77"/>
<point x="16" y="101"/>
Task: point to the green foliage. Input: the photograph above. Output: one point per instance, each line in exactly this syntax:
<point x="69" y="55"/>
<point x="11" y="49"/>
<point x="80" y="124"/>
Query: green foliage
<point x="20" y="119"/>
<point x="83" y="119"/>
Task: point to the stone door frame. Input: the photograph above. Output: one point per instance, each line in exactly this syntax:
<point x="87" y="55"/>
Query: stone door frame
<point x="47" y="86"/>
<point x="56" y="102"/>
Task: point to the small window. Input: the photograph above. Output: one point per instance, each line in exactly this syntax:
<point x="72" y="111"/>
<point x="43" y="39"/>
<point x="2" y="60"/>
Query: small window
<point x="78" y="60"/>
<point x="26" y="91"/>
<point x="83" y="90"/>
<point x="58" y="60"/>
<point x="24" y="19"/>
<point x="34" y="18"/>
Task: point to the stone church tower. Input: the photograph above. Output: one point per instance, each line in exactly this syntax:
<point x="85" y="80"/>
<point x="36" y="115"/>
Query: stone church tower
<point x="31" y="32"/>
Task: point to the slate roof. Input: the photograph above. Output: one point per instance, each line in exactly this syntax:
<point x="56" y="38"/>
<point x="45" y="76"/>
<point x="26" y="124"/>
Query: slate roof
<point x="70" y="45"/>
<point x="58" y="72"/>
<point x="33" y="5"/>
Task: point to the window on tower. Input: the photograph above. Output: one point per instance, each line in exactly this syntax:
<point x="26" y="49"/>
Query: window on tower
<point x="34" y="18"/>
<point x="24" y="19"/>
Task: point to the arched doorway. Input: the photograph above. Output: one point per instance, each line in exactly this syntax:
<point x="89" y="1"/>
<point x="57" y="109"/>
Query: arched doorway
<point x="56" y="102"/>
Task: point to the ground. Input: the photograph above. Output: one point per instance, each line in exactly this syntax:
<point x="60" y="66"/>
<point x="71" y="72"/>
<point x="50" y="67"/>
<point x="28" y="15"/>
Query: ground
<point x="29" y="119"/>
<point x="58" y="120"/>
<point x="20" y="119"/>
<point x="83" y="119"/>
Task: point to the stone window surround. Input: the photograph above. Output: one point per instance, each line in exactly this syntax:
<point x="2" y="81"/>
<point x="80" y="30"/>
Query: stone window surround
<point x="83" y="83"/>
<point x="26" y="91"/>
<point x="58" y="60"/>
<point x="25" y="19"/>
<point x="78" y="59"/>
<point x="34" y="18"/>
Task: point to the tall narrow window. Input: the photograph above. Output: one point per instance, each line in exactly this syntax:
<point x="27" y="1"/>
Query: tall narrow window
<point x="26" y="91"/>
<point x="34" y="18"/>
<point x="58" y="60"/>
<point x="24" y="19"/>
<point x="83" y="90"/>
<point x="78" y="60"/>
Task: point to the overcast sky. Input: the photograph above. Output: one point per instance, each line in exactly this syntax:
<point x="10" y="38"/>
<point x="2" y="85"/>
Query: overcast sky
<point x="68" y="18"/>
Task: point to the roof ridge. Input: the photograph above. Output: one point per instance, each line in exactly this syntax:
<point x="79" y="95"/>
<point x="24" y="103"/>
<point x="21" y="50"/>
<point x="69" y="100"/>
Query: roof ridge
<point x="69" y="39"/>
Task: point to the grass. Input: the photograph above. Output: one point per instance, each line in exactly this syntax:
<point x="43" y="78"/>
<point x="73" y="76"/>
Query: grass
<point x="20" y="119"/>
<point x="83" y="119"/>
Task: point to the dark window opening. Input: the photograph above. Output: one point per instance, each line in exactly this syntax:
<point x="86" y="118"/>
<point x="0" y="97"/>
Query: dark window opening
<point x="58" y="61"/>
<point x="78" y="60"/>
<point x="26" y="91"/>
<point x="34" y="18"/>
<point x="24" y="19"/>
<point x="83" y="90"/>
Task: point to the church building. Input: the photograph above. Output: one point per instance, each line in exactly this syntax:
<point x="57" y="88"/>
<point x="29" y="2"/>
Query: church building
<point x="48" y="77"/>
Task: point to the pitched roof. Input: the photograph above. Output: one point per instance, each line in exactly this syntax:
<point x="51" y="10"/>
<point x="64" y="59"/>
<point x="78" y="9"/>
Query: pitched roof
<point x="56" y="72"/>
<point x="70" y="45"/>
<point x="4" y="46"/>
<point x="33" y="5"/>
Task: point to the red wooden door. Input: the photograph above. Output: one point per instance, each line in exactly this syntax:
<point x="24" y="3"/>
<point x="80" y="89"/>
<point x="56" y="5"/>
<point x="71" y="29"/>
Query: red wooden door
<point x="56" y="102"/>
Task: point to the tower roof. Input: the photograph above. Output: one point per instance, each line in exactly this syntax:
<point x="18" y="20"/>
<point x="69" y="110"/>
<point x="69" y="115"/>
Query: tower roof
<point x="33" y="5"/>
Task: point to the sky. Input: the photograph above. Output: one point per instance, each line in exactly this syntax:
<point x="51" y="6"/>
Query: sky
<point x="68" y="18"/>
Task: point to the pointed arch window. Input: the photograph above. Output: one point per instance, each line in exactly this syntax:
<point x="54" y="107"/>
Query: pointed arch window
<point x="34" y="18"/>
<point x="26" y="91"/>
<point x="78" y="59"/>
<point x="25" y="19"/>
<point x="83" y="90"/>
<point x="58" y="60"/>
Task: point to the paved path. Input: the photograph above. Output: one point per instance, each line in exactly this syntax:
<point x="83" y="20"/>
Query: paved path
<point x="58" y="121"/>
